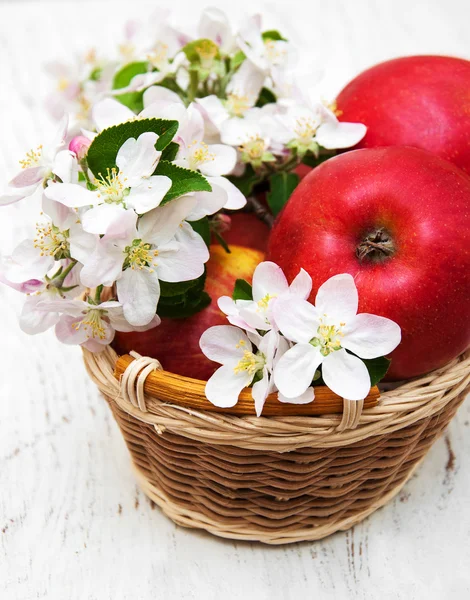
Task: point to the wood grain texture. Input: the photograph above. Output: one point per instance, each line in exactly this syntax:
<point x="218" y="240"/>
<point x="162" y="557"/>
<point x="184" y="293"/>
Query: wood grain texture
<point x="73" y="525"/>
<point x="188" y="392"/>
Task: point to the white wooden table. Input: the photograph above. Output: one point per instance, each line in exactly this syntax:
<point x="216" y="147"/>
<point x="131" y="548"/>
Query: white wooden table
<point x="73" y="524"/>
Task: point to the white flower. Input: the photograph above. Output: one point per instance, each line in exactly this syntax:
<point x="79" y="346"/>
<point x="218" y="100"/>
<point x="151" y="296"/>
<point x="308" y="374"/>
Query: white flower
<point x="323" y="333"/>
<point x="131" y="187"/>
<point x="61" y="283"/>
<point x="161" y="247"/>
<point x="242" y="94"/>
<point x="250" y="136"/>
<point x="59" y="235"/>
<point x="242" y="363"/>
<point x="269" y="286"/>
<point x="231" y="347"/>
<point x="214" y="25"/>
<point x="309" y="124"/>
<point x="90" y="325"/>
<point x="40" y="165"/>
<point x="268" y="54"/>
<point x="213" y="161"/>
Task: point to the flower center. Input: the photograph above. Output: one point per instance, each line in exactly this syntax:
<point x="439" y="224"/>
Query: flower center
<point x="305" y="129"/>
<point x="328" y="338"/>
<point x="84" y="107"/>
<point x="92" y="324"/>
<point x="127" y="51"/>
<point x="112" y="188"/>
<point x="140" y="255"/>
<point x="32" y="158"/>
<point x="50" y="241"/>
<point x="237" y="105"/>
<point x="207" y="51"/>
<point x="158" y="58"/>
<point x="199" y="154"/>
<point x="62" y="84"/>
<point x="250" y="362"/>
<point x="253" y="150"/>
<point x="275" y="52"/>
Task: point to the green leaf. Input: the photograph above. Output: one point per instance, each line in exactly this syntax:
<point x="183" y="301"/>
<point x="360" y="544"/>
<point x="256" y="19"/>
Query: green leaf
<point x="133" y="100"/>
<point x="186" y="308"/>
<point x="125" y="75"/>
<point x="237" y="60"/>
<point x="377" y="368"/>
<point x="104" y="148"/>
<point x="203" y="228"/>
<point x="242" y="290"/>
<point x="246" y="182"/>
<point x="274" y="35"/>
<point x="184" y="180"/>
<point x="204" y="46"/>
<point x="313" y="161"/>
<point x="266" y="96"/>
<point x="181" y="288"/>
<point x="282" y="185"/>
<point x="170" y="152"/>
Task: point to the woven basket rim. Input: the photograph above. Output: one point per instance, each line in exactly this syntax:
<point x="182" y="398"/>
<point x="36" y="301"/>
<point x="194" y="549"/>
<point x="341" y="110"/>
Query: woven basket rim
<point x="414" y="400"/>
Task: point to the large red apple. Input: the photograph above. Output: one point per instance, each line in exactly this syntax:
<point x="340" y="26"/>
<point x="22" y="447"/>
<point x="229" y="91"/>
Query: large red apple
<point x="398" y="220"/>
<point x="176" y="341"/>
<point x="420" y="101"/>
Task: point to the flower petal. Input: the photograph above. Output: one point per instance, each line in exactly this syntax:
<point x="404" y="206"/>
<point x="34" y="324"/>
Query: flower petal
<point x="102" y="218"/>
<point x="305" y="398"/>
<point x="340" y="135"/>
<point x="260" y="392"/>
<point x="346" y="375"/>
<point x="64" y="165"/>
<point x="294" y="372"/>
<point x="183" y="260"/>
<point x="160" y="96"/>
<point x="301" y="285"/>
<point x="338" y="298"/>
<point x="34" y="321"/>
<point x="208" y="203"/>
<point x="71" y="194"/>
<point x="103" y="266"/>
<point x="224" y="161"/>
<point x="235" y="199"/>
<point x="370" y="336"/>
<point x="224" y="387"/>
<point x="138" y="158"/>
<point x="109" y="112"/>
<point x="160" y="225"/>
<point x="297" y="319"/>
<point x="224" y="344"/>
<point x="268" y="279"/>
<point x="28" y="177"/>
<point x="27" y="263"/>
<point x="149" y="194"/>
<point x="138" y="291"/>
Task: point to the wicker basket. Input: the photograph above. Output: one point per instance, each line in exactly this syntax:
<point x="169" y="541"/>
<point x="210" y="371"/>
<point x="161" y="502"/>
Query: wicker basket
<point x="275" y="479"/>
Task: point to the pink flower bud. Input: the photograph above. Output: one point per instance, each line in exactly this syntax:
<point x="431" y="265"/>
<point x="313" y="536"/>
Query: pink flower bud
<point x="79" y="146"/>
<point x="221" y="223"/>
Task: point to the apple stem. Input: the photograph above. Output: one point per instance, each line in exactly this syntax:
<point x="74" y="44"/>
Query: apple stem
<point x="377" y="246"/>
<point x="260" y="211"/>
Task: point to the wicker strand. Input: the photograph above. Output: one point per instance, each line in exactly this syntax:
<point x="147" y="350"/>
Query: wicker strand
<point x="133" y="380"/>
<point x="352" y="411"/>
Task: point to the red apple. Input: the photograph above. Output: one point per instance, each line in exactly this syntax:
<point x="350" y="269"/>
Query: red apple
<point x="420" y="101"/>
<point x="247" y="230"/>
<point x="406" y="212"/>
<point x="176" y="341"/>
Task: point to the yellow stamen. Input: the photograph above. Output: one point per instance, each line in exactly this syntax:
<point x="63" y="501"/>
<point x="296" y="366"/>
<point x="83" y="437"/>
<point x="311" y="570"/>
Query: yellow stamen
<point x="32" y="158"/>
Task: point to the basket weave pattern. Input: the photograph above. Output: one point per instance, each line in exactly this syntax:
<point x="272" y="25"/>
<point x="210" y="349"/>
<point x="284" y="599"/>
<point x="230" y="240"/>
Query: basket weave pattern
<point x="279" y="479"/>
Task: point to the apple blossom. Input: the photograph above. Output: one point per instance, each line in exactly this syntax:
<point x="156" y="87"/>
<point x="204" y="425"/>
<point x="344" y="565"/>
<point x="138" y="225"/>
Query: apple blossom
<point x="214" y="25"/>
<point x="161" y="246"/>
<point x="323" y="335"/>
<point x="39" y="166"/>
<point x="131" y="187"/>
<point x="89" y="324"/>
<point x="269" y="286"/>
